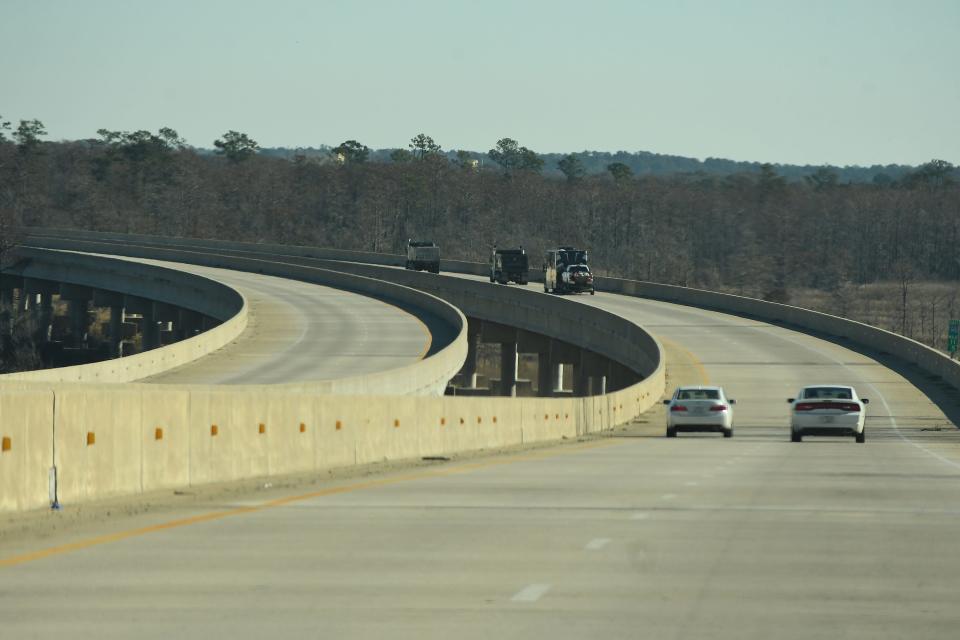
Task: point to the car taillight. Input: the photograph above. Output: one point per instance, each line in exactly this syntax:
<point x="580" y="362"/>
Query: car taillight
<point x="678" y="407"/>
<point x="718" y="407"/>
<point x="852" y="407"/>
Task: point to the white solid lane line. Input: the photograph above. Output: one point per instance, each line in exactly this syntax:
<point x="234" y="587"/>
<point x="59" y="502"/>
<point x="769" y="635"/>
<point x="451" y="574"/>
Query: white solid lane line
<point x="530" y="593"/>
<point x="890" y="414"/>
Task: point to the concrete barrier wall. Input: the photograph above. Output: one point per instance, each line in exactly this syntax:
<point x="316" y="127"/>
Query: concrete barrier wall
<point x="26" y="454"/>
<point x="367" y="257"/>
<point x="117" y="440"/>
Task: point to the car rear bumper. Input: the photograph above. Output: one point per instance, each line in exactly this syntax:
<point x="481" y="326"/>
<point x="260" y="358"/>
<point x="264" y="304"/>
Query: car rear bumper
<point x="701" y="428"/>
<point x="849" y="424"/>
<point x="820" y="431"/>
<point x="698" y="423"/>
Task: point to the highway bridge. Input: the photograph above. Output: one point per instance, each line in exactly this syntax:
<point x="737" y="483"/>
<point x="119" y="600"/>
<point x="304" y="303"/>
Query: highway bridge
<point x="562" y="517"/>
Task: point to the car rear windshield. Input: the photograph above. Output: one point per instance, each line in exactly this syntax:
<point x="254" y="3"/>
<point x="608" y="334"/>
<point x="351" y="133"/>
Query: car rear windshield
<point x="698" y="394"/>
<point x="828" y="393"/>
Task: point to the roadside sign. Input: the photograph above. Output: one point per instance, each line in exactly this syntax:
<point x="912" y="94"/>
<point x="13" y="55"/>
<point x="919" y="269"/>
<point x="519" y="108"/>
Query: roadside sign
<point x="952" y="336"/>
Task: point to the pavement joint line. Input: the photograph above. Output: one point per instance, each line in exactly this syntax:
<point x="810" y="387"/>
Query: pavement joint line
<point x="243" y="510"/>
<point x="531" y="592"/>
<point x="597" y="543"/>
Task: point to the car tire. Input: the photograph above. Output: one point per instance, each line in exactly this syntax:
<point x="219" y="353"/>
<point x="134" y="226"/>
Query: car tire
<point x="728" y="433"/>
<point x="796" y="436"/>
<point x="671" y="433"/>
<point x="862" y="437"/>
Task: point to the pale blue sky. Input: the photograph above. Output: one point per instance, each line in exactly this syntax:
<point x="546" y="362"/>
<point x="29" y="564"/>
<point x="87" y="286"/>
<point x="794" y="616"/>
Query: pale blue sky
<point x="813" y="81"/>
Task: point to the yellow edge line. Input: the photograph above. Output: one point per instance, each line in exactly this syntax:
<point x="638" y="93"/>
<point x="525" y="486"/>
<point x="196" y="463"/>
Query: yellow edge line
<point x="704" y="377"/>
<point x="219" y="515"/>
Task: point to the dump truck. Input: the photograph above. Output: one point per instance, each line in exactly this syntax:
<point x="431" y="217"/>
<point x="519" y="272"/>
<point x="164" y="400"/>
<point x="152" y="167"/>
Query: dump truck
<point x="423" y="255"/>
<point x="509" y="265"/>
<point x="565" y="270"/>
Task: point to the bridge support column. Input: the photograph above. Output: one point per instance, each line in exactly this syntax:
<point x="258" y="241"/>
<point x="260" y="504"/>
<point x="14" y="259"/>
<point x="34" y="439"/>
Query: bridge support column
<point x="43" y="311"/>
<point x="166" y="317"/>
<point x="77" y="298"/>
<point x="545" y="348"/>
<point x="474" y="328"/>
<point x="557" y="372"/>
<point x="508" y="369"/>
<point x="148" y="324"/>
<point x="598" y="384"/>
<point x="23" y="301"/>
<point x="508" y="338"/>
<point x="592" y="373"/>
<point x="116" y="331"/>
<point x="581" y="381"/>
<point x="151" y="333"/>
<point x="6" y="311"/>
<point x="188" y="324"/>
<point x="546" y="372"/>
<point x="113" y="301"/>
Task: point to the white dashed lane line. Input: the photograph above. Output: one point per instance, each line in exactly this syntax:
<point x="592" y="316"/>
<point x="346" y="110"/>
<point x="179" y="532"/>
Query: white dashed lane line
<point x="530" y="593"/>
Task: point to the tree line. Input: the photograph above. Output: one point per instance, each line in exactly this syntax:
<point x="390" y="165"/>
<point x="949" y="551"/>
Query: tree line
<point x="755" y="233"/>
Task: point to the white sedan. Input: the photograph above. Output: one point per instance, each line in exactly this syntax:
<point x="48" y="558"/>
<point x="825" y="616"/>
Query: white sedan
<point x="827" y="410"/>
<point x="699" y="409"/>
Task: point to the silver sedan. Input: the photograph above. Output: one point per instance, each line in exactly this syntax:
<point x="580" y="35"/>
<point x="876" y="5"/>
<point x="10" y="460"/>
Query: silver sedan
<point x="700" y="409"/>
<point x="828" y="410"/>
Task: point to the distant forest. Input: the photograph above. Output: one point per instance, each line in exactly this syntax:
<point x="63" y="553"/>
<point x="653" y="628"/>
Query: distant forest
<point x="752" y="231"/>
<point x="645" y="163"/>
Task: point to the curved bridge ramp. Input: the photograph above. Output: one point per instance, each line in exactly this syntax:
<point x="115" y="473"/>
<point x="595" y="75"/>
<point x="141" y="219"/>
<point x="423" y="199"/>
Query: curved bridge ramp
<point x="300" y="332"/>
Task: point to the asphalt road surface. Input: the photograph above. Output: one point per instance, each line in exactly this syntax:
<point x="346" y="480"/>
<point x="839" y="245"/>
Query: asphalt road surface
<point x="300" y="332"/>
<point x="633" y="536"/>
